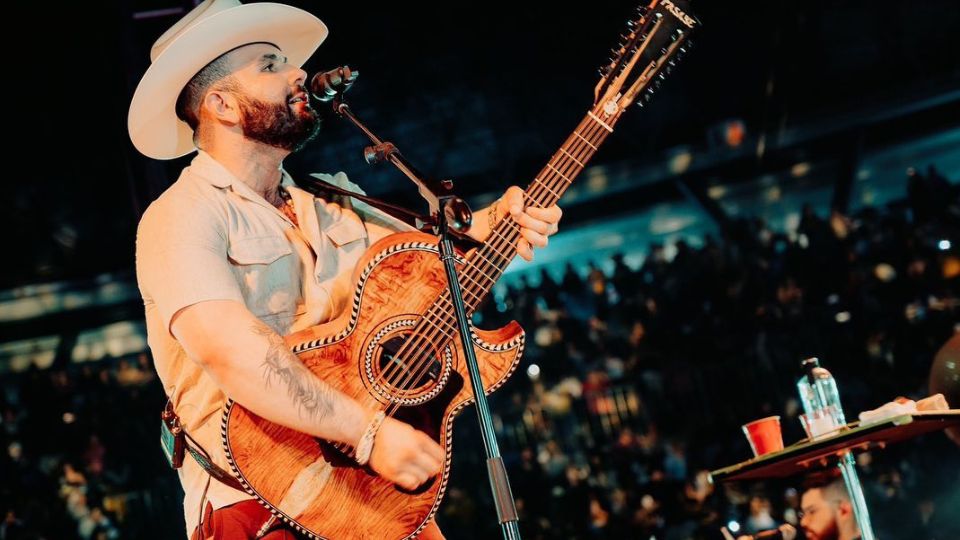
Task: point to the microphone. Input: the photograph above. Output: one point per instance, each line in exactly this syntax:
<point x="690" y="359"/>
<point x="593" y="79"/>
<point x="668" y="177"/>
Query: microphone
<point x="783" y="532"/>
<point x="329" y="84"/>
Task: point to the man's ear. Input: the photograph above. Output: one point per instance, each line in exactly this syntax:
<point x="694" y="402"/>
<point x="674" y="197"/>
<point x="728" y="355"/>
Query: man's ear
<point x="845" y="509"/>
<point x="222" y="106"/>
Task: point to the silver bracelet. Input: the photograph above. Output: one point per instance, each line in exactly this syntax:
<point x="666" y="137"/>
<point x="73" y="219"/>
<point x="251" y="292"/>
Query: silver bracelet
<point x="365" y="446"/>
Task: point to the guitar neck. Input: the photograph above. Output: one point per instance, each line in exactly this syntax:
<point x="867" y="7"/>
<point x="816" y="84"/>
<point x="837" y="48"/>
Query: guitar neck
<point x="491" y="259"/>
<point x="646" y="55"/>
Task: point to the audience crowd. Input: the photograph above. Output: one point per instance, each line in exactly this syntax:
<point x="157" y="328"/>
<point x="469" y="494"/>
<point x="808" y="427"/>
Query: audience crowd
<point x="633" y="385"/>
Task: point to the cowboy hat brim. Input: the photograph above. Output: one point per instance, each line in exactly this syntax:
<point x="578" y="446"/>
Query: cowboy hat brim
<point x="152" y="120"/>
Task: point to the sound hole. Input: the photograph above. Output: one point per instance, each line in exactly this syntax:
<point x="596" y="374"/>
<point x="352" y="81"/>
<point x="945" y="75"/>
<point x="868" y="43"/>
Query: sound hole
<point x="413" y="371"/>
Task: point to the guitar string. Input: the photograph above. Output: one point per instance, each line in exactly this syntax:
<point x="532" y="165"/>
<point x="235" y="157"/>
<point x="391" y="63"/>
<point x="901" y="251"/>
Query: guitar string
<point x="420" y="364"/>
<point x="444" y="301"/>
<point x="562" y="168"/>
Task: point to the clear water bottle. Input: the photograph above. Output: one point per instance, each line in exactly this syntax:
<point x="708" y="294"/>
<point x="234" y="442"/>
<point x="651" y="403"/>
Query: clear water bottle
<point x="818" y="390"/>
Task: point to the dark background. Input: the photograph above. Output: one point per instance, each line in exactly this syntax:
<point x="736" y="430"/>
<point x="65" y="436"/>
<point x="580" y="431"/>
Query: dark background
<point x="855" y="91"/>
<point x="483" y="93"/>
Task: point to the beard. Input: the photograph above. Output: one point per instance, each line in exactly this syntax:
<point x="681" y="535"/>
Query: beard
<point x="828" y="532"/>
<point x="278" y="124"/>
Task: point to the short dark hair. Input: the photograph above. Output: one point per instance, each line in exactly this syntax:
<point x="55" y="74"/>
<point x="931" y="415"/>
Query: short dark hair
<point x="188" y="102"/>
<point x="831" y="484"/>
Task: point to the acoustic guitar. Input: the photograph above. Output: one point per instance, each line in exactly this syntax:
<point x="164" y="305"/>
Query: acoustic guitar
<point x="397" y="347"/>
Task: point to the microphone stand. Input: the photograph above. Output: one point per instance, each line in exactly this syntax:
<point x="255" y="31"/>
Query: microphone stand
<point x="447" y="213"/>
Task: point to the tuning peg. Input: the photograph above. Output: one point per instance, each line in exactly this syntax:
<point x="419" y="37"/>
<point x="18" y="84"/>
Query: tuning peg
<point x="642" y="10"/>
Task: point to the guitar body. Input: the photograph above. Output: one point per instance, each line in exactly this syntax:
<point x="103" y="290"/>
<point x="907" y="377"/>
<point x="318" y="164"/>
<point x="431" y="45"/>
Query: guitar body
<point x="312" y="485"/>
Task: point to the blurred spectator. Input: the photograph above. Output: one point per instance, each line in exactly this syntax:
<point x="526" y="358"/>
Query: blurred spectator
<point x="644" y="377"/>
<point x="827" y="513"/>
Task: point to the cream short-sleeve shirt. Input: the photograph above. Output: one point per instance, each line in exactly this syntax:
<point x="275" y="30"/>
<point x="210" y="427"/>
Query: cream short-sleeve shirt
<point x="210" y="237"/>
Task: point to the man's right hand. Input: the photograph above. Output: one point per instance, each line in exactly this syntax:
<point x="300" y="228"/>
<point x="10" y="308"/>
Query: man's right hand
<point x="405" y="456"/>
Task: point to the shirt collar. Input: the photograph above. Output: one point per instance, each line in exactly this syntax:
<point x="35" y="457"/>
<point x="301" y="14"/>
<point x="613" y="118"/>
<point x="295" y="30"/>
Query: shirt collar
<point x="208" y="169"/>
<point x="205" y="167"/>
<point x="211" y="170"/>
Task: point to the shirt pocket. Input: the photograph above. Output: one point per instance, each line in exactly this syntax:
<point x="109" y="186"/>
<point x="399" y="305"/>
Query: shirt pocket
<point x="268" y="276"/>
<point x="345" y="230"/>
<point x="246" y="250"/>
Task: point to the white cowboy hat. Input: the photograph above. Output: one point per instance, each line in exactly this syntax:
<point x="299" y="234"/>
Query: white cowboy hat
<point x="212" y="28"/>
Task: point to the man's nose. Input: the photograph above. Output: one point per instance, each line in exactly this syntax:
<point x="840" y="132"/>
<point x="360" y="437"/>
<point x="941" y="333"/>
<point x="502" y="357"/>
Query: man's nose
<point x="299" y="77"/>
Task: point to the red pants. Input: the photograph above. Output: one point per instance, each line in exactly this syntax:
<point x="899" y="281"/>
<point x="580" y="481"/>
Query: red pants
<point x="242" y="520"/>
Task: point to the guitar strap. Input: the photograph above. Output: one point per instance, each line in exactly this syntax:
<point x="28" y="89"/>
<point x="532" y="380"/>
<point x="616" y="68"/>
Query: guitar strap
<point x="176" y="442"/>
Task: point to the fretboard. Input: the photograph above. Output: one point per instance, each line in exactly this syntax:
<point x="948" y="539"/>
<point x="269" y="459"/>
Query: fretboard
<point x="489" y="261"/>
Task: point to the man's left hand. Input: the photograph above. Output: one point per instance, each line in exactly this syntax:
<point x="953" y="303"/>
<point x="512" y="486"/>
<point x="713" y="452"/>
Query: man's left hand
<point x="536" y="224"/>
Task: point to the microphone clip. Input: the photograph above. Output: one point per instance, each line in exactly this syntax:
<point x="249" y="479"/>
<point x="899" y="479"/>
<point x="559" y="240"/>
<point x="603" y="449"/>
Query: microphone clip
<point x="328" y="85"/>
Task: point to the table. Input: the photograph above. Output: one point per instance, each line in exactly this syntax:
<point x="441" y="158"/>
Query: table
<point x="808" y="455"/>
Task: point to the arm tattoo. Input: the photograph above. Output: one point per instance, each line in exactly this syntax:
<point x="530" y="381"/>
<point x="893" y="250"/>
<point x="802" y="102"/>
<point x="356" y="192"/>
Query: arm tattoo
<point x="314" y="398"/>
<point x="492" y="218"/>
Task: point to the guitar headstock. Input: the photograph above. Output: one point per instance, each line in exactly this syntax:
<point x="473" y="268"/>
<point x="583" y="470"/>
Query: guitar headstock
<point x="657" y="39"/>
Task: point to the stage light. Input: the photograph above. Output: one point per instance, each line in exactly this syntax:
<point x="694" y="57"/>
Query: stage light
<point x="884" y="272"/>
<point x="733" y="526"/>
<point x="944" y="245"/>
<point x="735" y="131"/>
<point x="680" y="161"/>
<point x="533" y="371"/>
<point x="800" y="169"/>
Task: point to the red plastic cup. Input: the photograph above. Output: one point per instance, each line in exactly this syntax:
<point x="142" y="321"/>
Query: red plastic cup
<point x="764" y="435"/>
